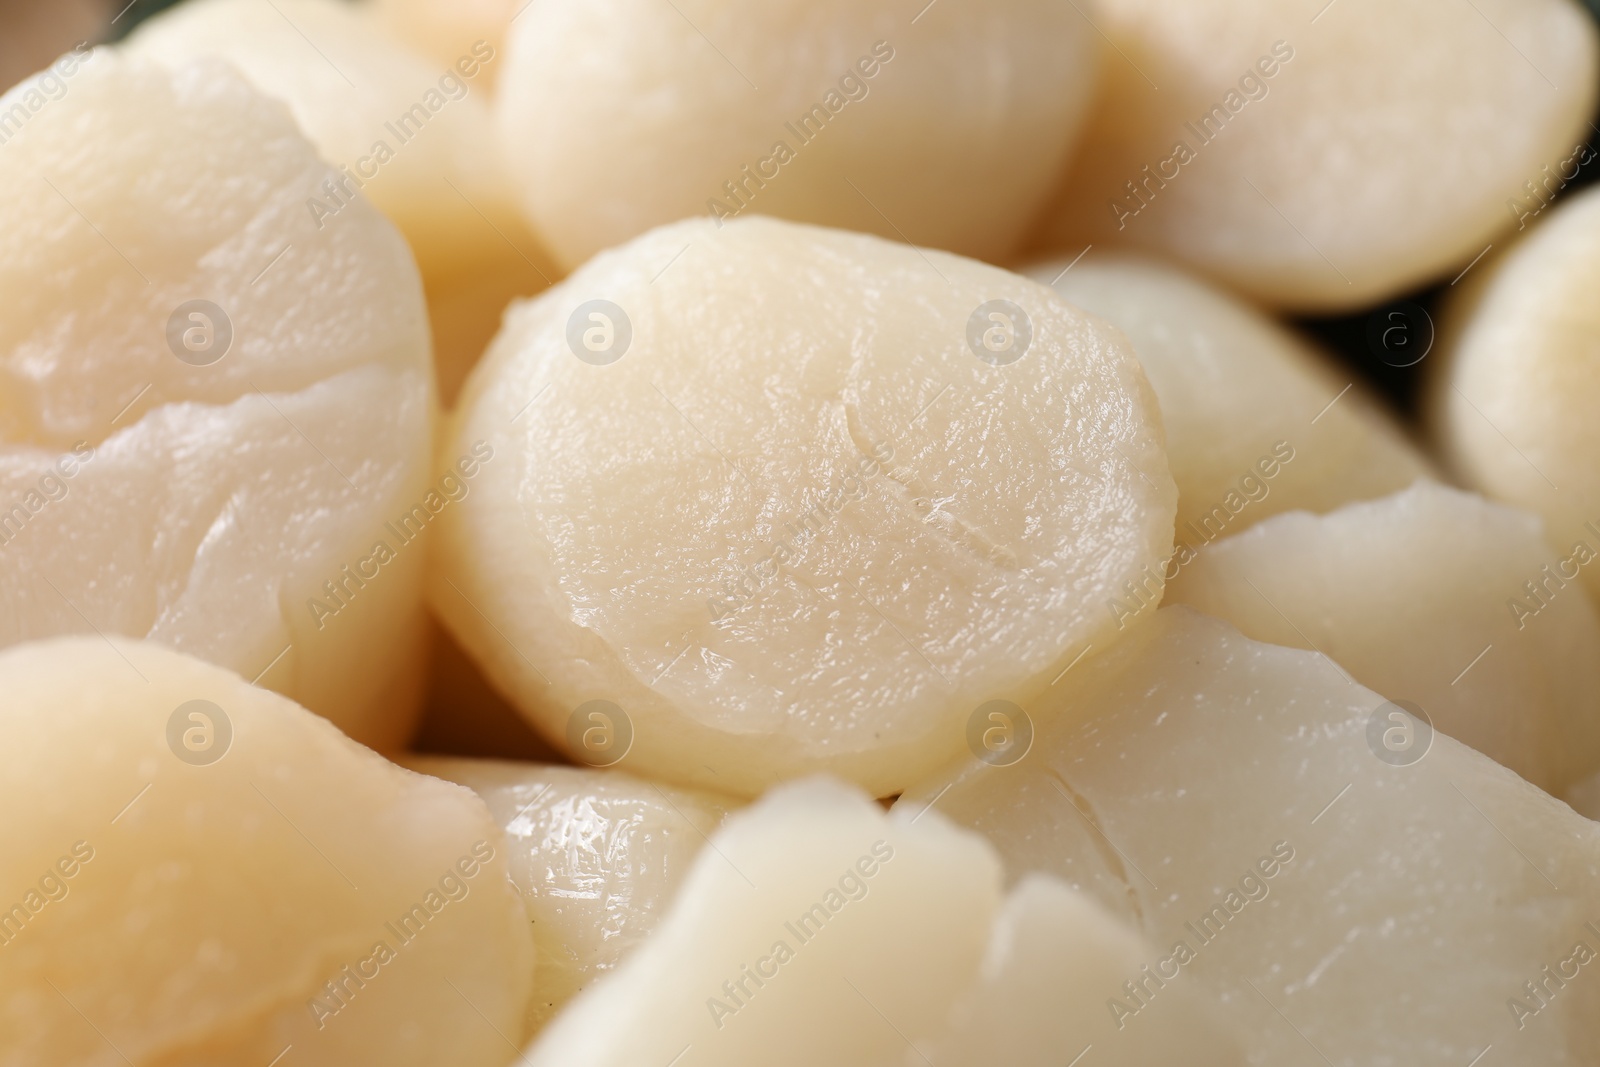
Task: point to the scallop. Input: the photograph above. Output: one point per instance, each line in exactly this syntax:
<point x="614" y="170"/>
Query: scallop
<point x="1335" y="880"/>
<point x="409" y="132"/>
<point x="947" y="128"/>
<point x="1322" y="157"/>
<point x="1424" y="596"/>
<point x="770" y="499"/>
<point x="208" y="874"/>
<point x="215" y="416"/>
<point x="1510" y="402"/>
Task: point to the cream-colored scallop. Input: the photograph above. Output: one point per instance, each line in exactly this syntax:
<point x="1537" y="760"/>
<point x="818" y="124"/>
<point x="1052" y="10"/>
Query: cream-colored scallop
<point x="411" y="133"/>
<point x="948" y="129"/>
<point x="811" y="919"/>
<point x="791" y="499"/>
<point x="596" y="855"/>
<point x="1322" y="160"/>
<point x="199" y="872"/>
<point x="1336" y="885"/>
<point x="1258" y="421"/>
<point x="445" y="29"/>
<point x="209" y="407"/>
<point x="1423" y="596"/>
<point x="1512" y="400"/>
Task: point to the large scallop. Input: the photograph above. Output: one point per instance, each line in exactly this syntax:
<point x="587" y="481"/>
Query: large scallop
<point x="768" y="499"/>
<point x="207" y="874"/>
<point x="215" y="415"/>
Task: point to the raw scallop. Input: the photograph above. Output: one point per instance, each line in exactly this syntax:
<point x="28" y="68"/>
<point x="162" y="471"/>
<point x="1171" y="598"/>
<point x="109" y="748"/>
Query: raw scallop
<point x="769" y="494"/>
<point x="1323" y="160"/>
<point x="948" y="129"/>
<point x="1423" y="596"/>
<point x="199" y="872"/>
<point x="1336" y="884"/>
<point x="1512" y="402"/>
<point x="411" y="133"/>
<point x="209" y="408"/>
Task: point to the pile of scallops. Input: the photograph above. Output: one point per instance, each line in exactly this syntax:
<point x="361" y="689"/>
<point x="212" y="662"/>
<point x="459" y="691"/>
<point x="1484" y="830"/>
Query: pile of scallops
<point x="665" y="533"/>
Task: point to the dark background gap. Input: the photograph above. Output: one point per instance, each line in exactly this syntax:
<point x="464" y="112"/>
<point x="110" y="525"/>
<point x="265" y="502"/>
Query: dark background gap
<point x="1347" y="335"/>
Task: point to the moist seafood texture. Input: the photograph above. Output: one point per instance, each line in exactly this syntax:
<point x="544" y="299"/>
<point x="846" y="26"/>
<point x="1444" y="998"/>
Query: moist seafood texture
<point x="208" y="874"/>
<point x="813" y="913"/>
<point x="1258" y="421"/>
<point x="596" y="855"/>
<point x="1422" y="596"/>
<point x="796" y="523"/>
<point x="1328" y="894"/>
<point x="200" y="474"/>
<point x="1054" y="961"/>
<point x="950" y="133"/>
<point x="1512" y="400"/>
<point x="1322" y="161"/>
<point x="412" y="133"/>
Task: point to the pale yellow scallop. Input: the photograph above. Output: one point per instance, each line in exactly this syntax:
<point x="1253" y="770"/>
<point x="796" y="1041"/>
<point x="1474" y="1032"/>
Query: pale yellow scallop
<point x="1512" y="401"/>
<point x="1423" y="596"/>
<point x="208" y="874"/>
<point x="1334" y="885"/>
<point x="209" y="407"/>
<point x="792" y="499"/>
<point x="409" y="132"/>
<point x="947" y="128"/>
<point x="1323" y="156"/>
